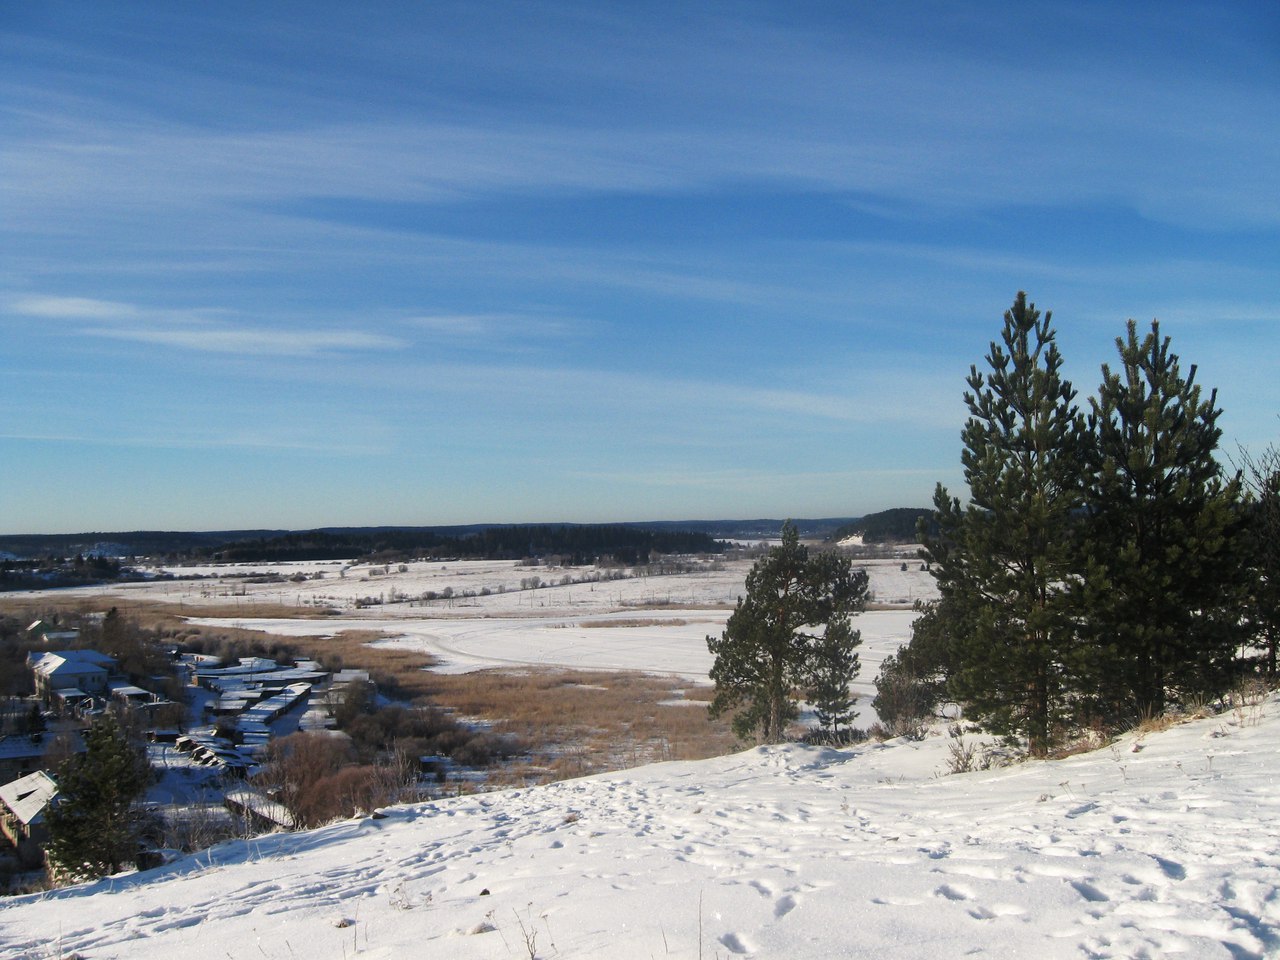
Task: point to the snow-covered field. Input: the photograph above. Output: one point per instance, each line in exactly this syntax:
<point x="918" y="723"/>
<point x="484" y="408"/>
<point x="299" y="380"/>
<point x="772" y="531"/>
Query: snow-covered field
<point x="495" y="586"/>
<point x="655" y="624"/>
<point x="1160" y="846"/>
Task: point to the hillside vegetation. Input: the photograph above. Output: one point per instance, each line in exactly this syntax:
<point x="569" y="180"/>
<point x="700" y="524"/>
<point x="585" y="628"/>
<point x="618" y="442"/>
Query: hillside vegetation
<point x="888" y="526"/>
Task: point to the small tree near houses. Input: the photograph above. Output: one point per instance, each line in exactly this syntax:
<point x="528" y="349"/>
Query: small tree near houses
<point x="93" y="823"/>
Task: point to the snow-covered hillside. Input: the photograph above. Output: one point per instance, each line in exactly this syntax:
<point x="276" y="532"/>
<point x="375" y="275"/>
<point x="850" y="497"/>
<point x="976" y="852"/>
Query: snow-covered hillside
<point x="1164" y="845"/>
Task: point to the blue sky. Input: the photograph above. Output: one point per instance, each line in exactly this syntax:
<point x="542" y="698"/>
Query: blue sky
<point x="292" y="265"/>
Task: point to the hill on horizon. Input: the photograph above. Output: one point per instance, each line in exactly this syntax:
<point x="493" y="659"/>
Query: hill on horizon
<point x="898" y="525"/>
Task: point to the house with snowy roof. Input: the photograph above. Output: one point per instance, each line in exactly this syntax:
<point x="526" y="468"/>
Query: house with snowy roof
<point x="71" y="676"/>
<point x="23" y="803"/>
<point x="42" y="631"/>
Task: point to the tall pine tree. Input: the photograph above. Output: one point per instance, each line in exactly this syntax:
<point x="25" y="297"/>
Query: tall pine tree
<point x="1162" y="589"/>
<point x="767" y="649"/>
<point x="1002" y="561"/>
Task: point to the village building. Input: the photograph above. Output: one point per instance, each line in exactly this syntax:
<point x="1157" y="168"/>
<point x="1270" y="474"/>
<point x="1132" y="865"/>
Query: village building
<point x="216" y="752"/>
<point x="21" y="754"/>
<point x="49" y="634"/>
<point x="70" y="676"/>
<point x="23" y="803"/>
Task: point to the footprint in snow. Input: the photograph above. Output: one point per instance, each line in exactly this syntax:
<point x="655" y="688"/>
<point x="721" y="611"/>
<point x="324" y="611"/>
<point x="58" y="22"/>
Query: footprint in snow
<point x="969" y="870"/>
<point x="1171" y="869"/>
<point x="1089" y="892"/>
<point x="735" y="944"/>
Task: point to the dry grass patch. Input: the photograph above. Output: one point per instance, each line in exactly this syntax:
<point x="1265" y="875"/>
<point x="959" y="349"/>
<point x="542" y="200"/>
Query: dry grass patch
<point x="632" y="622"/>
<point x="159" y="615"/>
<point x="1073" y="748"/>
<point x="1158" y="724"/>
<point x="576" y="723"/>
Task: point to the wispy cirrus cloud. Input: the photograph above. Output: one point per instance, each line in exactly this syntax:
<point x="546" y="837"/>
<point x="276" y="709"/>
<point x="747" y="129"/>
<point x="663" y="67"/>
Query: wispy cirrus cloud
<point x="201" y="330"/>
<point x="490" y="326"/>
<point x="278" y="441"/>
<point x="73" y="308"/>
<point x="248" y="341"/>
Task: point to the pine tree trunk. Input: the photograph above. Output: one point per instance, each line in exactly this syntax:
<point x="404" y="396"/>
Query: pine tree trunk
<point x="773" y="734"/>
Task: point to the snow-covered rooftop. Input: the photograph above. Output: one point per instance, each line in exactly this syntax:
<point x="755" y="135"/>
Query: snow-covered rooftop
<point x="27" y="797"/>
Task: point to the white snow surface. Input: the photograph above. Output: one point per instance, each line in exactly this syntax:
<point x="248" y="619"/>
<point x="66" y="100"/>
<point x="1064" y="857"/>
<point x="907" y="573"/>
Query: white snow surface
<point x="342" y="585"/>
<point x="1158" y="846"/>
<point x="655" y="624"/>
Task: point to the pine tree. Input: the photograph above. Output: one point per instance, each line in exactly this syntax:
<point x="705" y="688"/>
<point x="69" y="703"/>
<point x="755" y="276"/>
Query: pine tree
<point x="93" y="824"/>
<point x="1261" y="477"/>
<point x="1002" y="562"/>
<point x="765" y="652"/>
<point x="833" y="666"/>
<point x="1162" y="588"/>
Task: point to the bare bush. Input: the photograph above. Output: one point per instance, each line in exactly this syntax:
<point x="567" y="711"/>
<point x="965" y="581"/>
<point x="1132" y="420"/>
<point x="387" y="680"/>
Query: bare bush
<point x="904" y="702"/>
<point x="966" y="756"/>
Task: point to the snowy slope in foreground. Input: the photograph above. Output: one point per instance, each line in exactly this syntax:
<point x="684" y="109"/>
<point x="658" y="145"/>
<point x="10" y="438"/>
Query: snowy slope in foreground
<point x="1169" y="845"/>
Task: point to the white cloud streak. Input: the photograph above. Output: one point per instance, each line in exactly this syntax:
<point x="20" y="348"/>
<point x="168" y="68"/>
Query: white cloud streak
<point x="415" y="161"/>
<point x="493" y="328"/>
<point x="873" y="111"/>
<point x="250" y="342"/>
<point x="197" y="330"/>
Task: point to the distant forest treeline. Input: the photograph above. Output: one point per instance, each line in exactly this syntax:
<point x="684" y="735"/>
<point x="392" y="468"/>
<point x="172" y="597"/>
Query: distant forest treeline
<point x="626" y="542"/>
<point x="572" y="544"/>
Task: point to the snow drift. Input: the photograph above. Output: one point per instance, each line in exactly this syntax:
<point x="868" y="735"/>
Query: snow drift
<point x="1155" y="846"/>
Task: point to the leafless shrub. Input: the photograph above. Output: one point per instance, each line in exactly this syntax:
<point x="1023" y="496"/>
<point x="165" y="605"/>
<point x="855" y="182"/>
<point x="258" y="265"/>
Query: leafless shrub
<point x="313" y="776"/>
<point x="966" y="756"/>
<point x="198" y="826"/>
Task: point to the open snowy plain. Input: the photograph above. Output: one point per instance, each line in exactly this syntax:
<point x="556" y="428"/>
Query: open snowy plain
<point x="1157" y="846"/>
<point x="655" y="624"/>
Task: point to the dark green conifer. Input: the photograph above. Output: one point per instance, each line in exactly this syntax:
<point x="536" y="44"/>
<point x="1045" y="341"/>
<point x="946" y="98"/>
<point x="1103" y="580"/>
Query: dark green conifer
<point x="1002" y="562"/>
<point x="93" y="823"/>
<point x="1261" y="477"/>
<point x="765" y="653"/>
<point x="833" y="666"/>
<point x="1161" y="596"/>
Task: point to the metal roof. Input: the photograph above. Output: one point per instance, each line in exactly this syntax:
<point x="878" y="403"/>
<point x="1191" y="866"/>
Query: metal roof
<point x="28" y="796"/>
